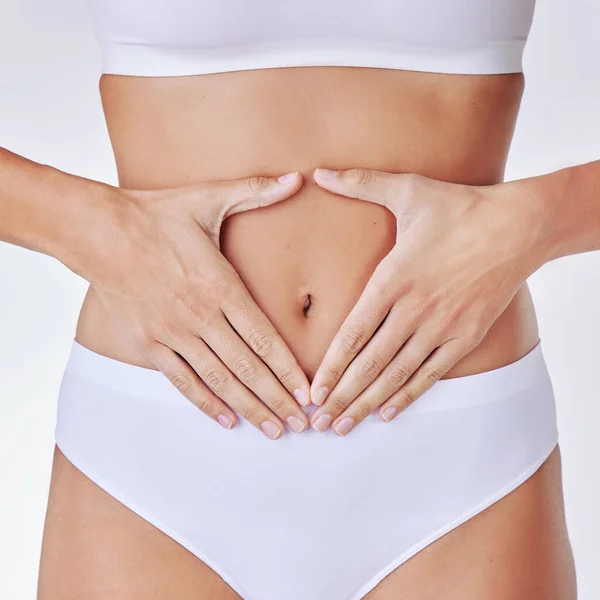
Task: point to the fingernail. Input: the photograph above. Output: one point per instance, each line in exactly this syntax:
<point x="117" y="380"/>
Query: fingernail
<point x="320" y="395"/>
<point x="225" y="421"/>
<point x="302" y="397"/>
<point x="287" y="177"/>
<point x="296" y="424"/>
<point x="322" y="423"/>
<point x="389" y="413"/>
<point x="271" y="429"/>
<point x="327" y="173"/>
<point x="344" y="426"/>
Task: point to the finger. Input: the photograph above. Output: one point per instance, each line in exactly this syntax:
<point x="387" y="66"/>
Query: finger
<point x="365" y="317"/>
<point x="186" y="380"/>
<point x="370" y="362"/>
<point x="432" y="370"/>
<point x="225" y="385"/>
<point x="238" y="195"/>
<point x="410" y="356"/>
<point x="253" y="373"/>
<point x="379" y="187"/>
<point x="253" y="326"/>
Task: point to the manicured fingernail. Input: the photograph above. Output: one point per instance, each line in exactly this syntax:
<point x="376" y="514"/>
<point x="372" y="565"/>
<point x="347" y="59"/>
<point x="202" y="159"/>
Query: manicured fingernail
<point x="344" y="426"/>
<point x="225" y="421"/>
<point x="302" y="397"/>
<point x="322" y="423"/>
<point x="326" y="173"/>
<point x="296" y="424"/>
<point x="389" y="413"/>
<point x="320" y="395"/>
<point x="271" y="429"/>
<point x="288" y="177"/>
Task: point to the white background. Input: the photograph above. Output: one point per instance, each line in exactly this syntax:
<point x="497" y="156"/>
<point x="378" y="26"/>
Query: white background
<point x="50" y="112"/>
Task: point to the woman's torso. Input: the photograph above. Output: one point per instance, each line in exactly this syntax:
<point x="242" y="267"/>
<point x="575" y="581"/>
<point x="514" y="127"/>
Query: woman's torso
<point x="175" y="131"/>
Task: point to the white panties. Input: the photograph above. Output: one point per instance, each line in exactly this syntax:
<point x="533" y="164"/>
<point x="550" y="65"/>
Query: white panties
<point x="310" y="516"/>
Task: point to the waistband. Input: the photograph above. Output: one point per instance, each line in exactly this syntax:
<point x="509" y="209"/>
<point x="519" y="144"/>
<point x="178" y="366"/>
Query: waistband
<point x="445" y="394"/>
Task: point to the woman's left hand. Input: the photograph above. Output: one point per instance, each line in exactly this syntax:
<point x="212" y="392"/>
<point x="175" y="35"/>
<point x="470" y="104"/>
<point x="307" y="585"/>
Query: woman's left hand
<point x="461" y="254"/>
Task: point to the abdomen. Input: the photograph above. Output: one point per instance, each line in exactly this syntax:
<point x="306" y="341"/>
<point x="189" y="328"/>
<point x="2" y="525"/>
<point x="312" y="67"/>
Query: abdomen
<point x="307" y="259"/>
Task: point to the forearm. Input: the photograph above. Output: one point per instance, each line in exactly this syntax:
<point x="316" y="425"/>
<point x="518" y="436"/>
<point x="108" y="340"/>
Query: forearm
<point x="50" y="211"/>
<point x="566" y="205"/>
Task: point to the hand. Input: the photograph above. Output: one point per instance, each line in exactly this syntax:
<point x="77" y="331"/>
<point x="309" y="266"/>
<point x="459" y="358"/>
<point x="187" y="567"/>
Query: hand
<point x="461" y="254"/>
<point x="158" y="270"/>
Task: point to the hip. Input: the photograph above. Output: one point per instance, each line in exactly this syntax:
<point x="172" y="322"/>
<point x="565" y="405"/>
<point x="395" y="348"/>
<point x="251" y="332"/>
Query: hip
<point x="470" y="474"/>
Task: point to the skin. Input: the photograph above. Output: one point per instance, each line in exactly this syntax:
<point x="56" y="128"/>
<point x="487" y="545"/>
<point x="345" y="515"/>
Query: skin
<point x="461" y="253"/>
<point x="306" y="262"/>
<point x="184" y="299"/>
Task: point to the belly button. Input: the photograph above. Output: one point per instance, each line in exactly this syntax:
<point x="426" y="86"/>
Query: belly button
<point x="307" y="304"/>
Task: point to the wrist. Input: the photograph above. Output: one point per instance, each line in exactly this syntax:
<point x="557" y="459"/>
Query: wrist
<point x="83" y="229"/>
<point x="531" y="210"/>
<point x="513" y="226"/>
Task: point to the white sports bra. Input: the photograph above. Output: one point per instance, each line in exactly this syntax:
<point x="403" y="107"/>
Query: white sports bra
<point x="187" y="37"/>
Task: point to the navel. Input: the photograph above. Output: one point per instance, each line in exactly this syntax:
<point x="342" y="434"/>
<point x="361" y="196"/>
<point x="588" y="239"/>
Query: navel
<point x="307" y="304"/>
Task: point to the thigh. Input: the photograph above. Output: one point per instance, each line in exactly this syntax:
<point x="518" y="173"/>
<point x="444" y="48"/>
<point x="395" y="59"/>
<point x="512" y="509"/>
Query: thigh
<point x="95" y="548"/>
<point x="518" y="548"/>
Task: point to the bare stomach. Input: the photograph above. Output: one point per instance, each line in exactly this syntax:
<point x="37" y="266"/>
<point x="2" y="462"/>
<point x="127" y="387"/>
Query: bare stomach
<point x="174" y="131"/>
<point x="315" y="249"/>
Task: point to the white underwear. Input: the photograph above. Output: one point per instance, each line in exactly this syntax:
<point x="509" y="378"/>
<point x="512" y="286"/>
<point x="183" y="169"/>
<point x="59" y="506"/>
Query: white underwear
<point x="311" y="516"/>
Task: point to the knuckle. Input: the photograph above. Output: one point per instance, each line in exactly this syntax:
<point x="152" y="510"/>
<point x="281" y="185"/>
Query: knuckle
<point x="219" y="286"/>
<point x="385" y="283"/>
<point x="286" y="377"/>
<point x="217" y="380"/>
<point x="337" y="404"/>
<point x="432" y="375"/>
<point x="164" y="324"/>
<point x="167" y="325"/>
<point x="200" y="316"/>
<point x="182" y="382"/>
<point x="245" y="369"/>
<point x="250" y="412"/>
<point x="334" y="371"/>
<point x="195" y="355"/>
<point x="277" y="404"/>
<point x="370" y="367"/>
<point x="447" y="323"/>
<point x="234" y="298"/>
<point x="145" y="341"/>
<point x="388" y="285"/>
<point x="360" y="176"/>
<point x="406" y="286"/>
<point x="411" y="183"/>
<point x="256" y="183"/>
<point x="362" y="411"/>
<point x="381" y="285"/>
<point x="474" y="334"/>
<point x="353" y="339"/>
<point x="427" y="301"/>
<point x="205" y="405"/>
<point x="406" y="398"/>
<point x="398" y="374"/>
<point x="193" y="307"/>
<point x="261" y="343"/>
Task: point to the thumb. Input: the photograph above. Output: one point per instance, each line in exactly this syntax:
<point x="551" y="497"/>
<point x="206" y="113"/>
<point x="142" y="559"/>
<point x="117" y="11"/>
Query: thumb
<point x="238" y="195"/>
<point x="379" y="187"/>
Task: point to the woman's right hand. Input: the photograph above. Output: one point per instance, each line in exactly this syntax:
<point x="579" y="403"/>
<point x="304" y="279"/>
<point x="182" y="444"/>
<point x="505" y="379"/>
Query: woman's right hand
<point x="157" y="267"/>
